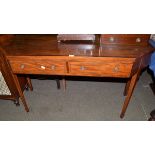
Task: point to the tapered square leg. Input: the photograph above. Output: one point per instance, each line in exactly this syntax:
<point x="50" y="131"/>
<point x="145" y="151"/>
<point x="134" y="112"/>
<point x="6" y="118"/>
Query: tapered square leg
<point x="58" y="83"/>
<point x="64" y="83"/>
<point x="29" y="83"/>
<point x="127" y="87"/>
<point x="131" y="86"/>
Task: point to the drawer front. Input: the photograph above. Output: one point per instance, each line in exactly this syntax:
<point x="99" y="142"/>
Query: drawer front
<point x="128" y="39"/>
<point x="104" y="68"/>
<point x="38" y="67"/>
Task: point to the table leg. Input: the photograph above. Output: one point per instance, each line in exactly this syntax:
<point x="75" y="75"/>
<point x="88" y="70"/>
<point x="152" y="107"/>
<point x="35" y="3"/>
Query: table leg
<point x="129" y="93"/>
<point x="29" y="83"/>
<point x="127" y="87"/>
<point x="152" y="114"/>
<point x="64" y="83"/>
<point x="20" y="92"/>
<point x="152" y="85"/>
<point x="58" y="83"/>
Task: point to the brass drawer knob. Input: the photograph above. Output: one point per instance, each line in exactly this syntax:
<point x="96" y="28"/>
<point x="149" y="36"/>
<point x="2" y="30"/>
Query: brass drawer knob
<point x="53" y="67"/>
<point x="116" y="69"/>
<point x="138" y="40"/>
<point x="111" y="39"/>
<point x="82" y="68"/>
<point x="42" y="67"/>
<point x="22" y="66"/>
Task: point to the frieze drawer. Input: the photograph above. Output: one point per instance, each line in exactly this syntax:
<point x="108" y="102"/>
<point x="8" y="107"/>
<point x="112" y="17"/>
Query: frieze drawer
<point x="105" y="68"/>
<point x="38" y="67"/>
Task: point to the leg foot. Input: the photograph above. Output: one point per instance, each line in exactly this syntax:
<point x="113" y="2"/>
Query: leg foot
<point x="152" y="118"/>
<point x="16" y="102"/>
<point x="121" y="116"/>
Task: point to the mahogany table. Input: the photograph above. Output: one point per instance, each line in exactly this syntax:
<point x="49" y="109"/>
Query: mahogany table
<point x="42" y="54"/>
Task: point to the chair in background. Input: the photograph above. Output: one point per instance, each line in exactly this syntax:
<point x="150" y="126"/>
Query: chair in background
<point x="8" y="89"/>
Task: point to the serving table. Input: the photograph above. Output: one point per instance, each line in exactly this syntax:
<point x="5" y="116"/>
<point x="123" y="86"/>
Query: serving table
<point x="43" y="54"/>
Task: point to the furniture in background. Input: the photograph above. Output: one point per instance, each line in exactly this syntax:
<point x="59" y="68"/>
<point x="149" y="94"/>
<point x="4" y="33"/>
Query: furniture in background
<point x="152" y="63"/>
<point x="126" y="39"/>
<point x="152" y="67"/>
<point x="6" y="39"/>
<point x="116" y="56"/>
<point x="76" y="37"/>
<point x="8" y="88"/>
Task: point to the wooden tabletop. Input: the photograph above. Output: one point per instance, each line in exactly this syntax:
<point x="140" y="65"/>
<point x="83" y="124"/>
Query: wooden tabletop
<point x="47" y="45"/>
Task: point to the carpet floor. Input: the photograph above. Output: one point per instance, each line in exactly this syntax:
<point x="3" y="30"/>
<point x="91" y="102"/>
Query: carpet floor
<point x="84" y="100"/>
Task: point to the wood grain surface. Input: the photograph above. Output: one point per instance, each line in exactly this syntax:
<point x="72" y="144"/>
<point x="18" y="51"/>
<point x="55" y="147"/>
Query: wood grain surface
<point x="114" y="55"/>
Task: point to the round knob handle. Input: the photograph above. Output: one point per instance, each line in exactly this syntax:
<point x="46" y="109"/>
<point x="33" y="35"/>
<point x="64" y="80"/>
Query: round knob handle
<point x="22" y="66"/>
<point x="116" y="69"/>
<point x="42" y="67"/>
<point x="82" y="68"/>
<point x="138" y="40"/>
<point x="53" y="67"/>
<point x="111" y="39"/>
